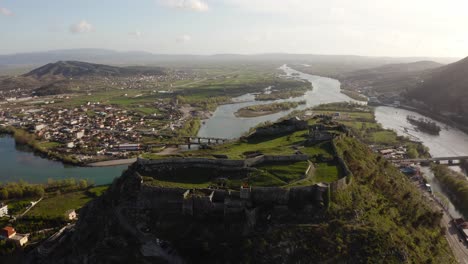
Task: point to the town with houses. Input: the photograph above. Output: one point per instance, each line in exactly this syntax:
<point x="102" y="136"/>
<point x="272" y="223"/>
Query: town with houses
<point x="94" y="130"/>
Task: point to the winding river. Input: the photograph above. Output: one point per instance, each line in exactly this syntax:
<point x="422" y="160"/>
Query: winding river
<point x="224" y="124"/>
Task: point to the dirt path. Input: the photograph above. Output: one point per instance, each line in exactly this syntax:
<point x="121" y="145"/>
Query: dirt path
<point x="168" y="151"/>
<point x="31" y="207"/>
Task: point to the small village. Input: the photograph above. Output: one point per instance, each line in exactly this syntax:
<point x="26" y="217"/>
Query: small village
<point x="96" y="130"/>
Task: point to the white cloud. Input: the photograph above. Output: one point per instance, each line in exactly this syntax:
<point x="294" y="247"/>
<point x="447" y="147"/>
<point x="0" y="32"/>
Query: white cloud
<point x="184" y="38"/>
<point x="5" y="11"/>
<point x="81" y="27"/>
<point x="194" y="5"/>
<point x="136" y="33"/>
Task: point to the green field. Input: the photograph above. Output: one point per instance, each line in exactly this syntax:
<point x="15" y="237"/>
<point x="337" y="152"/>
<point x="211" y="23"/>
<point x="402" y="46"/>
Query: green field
<point x="56" y="206"/>
<point x="286" y="172"/>
<point x="281" y="145"/>
<point x="326" y="172"/>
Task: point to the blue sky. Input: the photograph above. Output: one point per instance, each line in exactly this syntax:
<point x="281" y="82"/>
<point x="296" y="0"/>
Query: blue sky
<point x="361" y="27"/>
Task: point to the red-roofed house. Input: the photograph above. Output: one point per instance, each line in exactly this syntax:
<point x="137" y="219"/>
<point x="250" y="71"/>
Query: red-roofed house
<point x="7" y="232"/>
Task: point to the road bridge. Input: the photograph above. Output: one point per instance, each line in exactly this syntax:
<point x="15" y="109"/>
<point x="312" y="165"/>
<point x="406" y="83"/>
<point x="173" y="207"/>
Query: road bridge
<point x="449" y="160"/>
<point x="192" y="140"/>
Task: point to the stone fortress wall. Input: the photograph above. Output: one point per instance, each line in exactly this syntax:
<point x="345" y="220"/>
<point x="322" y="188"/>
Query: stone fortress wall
<point x="208" y="162"/>
<point x="200" y="202"/>
<point x="205" y="202"/>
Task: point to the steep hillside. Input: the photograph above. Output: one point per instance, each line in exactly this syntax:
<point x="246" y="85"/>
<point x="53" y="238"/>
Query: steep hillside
<point x="76" y="69"/>
<point x="446" y="89"/>
<point x="391" y="78"/>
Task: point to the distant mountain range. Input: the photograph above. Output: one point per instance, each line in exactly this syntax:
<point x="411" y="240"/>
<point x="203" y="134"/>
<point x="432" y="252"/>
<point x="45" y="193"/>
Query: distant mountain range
<point x="145" y="58"/>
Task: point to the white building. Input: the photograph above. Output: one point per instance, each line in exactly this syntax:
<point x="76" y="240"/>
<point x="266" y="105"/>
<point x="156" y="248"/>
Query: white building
<point x="19" y="239"/>
<point x="71" y="215"/>
<point x="39" y="127"/>
<point x="3" y="210"/>
<point x="80" y="134"/>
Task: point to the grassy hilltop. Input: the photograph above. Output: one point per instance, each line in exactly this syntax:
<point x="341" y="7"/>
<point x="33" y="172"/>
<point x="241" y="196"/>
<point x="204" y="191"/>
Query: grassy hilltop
<point x="380" y="216"/>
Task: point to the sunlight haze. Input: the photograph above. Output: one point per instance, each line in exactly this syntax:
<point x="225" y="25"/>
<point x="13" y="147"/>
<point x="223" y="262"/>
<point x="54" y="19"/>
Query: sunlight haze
<point x="361" y="27"/>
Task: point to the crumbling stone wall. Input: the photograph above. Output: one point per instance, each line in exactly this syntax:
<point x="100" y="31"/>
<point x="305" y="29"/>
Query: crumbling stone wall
<point x="148" y="164"/>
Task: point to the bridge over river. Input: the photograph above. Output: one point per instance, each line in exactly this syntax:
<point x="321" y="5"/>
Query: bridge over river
<point x="190" y="140"/>
<point x="449" y="160"/>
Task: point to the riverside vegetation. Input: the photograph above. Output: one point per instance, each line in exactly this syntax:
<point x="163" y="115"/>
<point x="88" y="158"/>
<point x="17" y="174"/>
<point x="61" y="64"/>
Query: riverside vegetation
<point x="266" y="109"/>
<point x="354" y="95"/>
<point x="455" y="185"/>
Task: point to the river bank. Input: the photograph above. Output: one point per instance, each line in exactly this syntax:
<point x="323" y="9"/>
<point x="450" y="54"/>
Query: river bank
<point x="455" y="185"/>
<point x="23" y="138"/>
<point x="20" y="162"/>
<point x="435" y="116"/>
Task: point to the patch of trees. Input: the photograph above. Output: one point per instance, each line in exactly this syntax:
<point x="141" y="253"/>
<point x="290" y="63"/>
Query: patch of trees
<point x="190" y="128"/>
<point x="455" y="184"/>
<point x="21" y="189"/>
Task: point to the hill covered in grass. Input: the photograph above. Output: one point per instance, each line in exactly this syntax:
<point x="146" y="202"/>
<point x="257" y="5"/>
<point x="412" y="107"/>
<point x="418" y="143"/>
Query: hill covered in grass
<point x="77" y="69"/>
<point x="378" y="217"/>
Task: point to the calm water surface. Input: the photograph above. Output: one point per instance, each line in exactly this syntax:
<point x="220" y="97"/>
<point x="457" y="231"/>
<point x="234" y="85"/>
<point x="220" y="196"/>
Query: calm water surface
<point x="18" y="162"/>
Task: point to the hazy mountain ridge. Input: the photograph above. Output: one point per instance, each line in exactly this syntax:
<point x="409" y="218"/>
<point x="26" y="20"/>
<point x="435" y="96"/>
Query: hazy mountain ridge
<point x="141" y="57"/>
<point x="70" y="69"/>
<point x="61" y="76"/>
<point x="445" y="89"/>
<point x="390" y="78"/>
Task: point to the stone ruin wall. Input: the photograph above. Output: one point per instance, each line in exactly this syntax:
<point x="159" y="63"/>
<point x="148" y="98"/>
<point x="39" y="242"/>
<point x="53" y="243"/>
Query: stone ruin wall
<point x="180" y="201"/>
<point x="173" y="199"/>
<point x="226" y="163"/>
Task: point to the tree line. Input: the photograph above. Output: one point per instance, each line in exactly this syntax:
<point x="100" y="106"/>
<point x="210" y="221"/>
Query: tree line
<point x="455" y="185"/>
<point x="22" y="189"/>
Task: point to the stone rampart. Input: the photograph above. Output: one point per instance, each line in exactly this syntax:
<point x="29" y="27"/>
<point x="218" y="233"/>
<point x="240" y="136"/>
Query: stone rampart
<point x="226" y="163"/>
<point x="176" y="161"/>
<point x="341" y="163"/>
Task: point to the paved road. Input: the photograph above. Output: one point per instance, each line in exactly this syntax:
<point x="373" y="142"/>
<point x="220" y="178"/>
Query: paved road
<point x="453" y="236"/>
<point x="112" y="162"/>
<point x="454" y="239"/>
